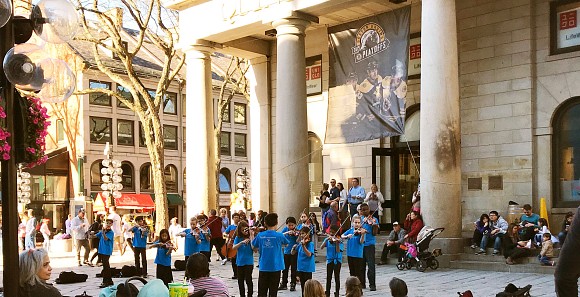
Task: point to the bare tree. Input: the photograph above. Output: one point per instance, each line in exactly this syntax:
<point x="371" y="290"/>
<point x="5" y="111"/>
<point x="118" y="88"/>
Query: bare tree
<point x="104" y="31"/>
<point x="234" y="82"/>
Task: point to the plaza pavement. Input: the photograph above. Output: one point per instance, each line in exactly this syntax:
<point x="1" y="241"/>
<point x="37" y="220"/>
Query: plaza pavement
<point x="440" y="282"/>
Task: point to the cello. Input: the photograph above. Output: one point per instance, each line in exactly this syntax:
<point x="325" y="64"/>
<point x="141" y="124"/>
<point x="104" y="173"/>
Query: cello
<point x="227" y="249"/>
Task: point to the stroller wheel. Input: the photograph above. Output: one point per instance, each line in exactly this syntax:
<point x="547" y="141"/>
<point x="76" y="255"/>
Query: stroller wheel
<point x="401" y="265"/>
<point x="434" y="264"/>
<point x="422" y="265"/>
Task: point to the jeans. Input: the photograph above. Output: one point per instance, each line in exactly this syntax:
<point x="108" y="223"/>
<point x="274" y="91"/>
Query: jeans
<point x="164" y="273"/>
<point x="140" y="252"/>
<point x="356" y="267"/>
<point x="304" y="276"/>
<point x="333" y="268"/>
<point x="496" y="241"/>
<point x="30" y="241"/>
<point x="392" y="249"/>
<point x="290" y="262"/>
<point x="84" y="243"/>
<point x="106" y="272"/>
<point x="562" y="237"/>
<point x="544" y="260"/>
<point x="369" y="258"/>
<point x="245" y="276"/>
<point x="268" y="283"/>
<point x="234" y="266"/>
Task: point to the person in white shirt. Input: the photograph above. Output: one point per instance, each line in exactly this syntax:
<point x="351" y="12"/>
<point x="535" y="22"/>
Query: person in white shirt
<point x="79" y="228"/>
<point x="116" y="228"/>
<point x="127" y="236"/>
<point x="374" y="199"/>
<point x="174" y="229"/>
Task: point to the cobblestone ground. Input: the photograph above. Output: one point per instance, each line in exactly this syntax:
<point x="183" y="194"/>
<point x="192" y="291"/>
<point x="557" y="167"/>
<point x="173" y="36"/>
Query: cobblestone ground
<point x="440" y="282"/>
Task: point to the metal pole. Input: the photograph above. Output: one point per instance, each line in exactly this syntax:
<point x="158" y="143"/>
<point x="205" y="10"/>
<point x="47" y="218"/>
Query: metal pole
<point x="10" y="222"/>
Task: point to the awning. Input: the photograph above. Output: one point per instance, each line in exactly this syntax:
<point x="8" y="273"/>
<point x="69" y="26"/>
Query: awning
<point x="174" y="199"/>
<point x="135" y="201"/>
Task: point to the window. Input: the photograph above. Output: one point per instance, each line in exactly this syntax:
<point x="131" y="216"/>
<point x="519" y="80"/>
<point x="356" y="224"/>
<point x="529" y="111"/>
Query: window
<point x="146" y="178"/>
<point x="170" y="103"/>
<point x="59" y="130"/>
<point x="240" y="113"/>
<point x="225" y="178"/>
<point x="125" y="133"/>
<point x="314" y="166"/>
<point x="170" y="137"/>
<point x="184" y="141"/>
<point x="127" y="176"/>
<point x="564" y="26"/>
<point x="566" y="154"/>
<point x="240" y="145"/>
<point x="125" y="94"/>
<point x="226" y="114"/>
<point x="183" y="105"/>
<point x="100" y="130"/>
<point x="99" y="98"/>
<point x="171" y="178"/>
<point x="96" y="175"/>
<point x="225" y="144"/>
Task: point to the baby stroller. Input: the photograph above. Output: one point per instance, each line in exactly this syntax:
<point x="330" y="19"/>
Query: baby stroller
<point x="418" y="254"/>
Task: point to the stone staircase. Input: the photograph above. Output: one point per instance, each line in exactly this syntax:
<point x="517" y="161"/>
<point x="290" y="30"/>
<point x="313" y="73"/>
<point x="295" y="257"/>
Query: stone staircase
<point x="469" y="260"/>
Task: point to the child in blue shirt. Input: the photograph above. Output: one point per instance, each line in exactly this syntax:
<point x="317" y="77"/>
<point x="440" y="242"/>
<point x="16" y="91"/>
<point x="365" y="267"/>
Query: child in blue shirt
<point x="105" y="250"/>
<point x="354" y="248"/>
<point x="163" y="258"/>
<point x="141" y="233"/>
<point x="333" y="259"/>
<point x="192" y="239"/>
<point x="205" y="236"/>
<point x="269" y="243"/>
<point x="305" y="251"/>
<point x="369" y="223"/>
<point x="230" y="233"/>
<point x="244" y="258"/>
<point x="291" y="234"/>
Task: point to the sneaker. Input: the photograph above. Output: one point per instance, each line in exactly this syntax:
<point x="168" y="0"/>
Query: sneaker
<point x="552" y="263"/>
<point x="509" y="261"/>
<point x="495" y="253"/>
<point x="480" y="252"/>
<point x="80" y="264"/>
<point x="292" y="287"/>
<point x="107" y="284"/>
<point x="224" y="261"/>
<point x="373" y="288"/>
<point x="473" y="246"/>
<point x="284" y="287"/>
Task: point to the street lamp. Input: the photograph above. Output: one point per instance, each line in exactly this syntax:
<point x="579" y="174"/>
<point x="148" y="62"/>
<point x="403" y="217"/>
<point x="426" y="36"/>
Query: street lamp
<point x="111" y="175"/>
<point x="53" y="21"/>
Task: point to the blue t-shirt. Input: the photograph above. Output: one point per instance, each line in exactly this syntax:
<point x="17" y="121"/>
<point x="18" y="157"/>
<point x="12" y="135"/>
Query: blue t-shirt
<point x="191" y="246"/>
<point x="270" y="243"/>
<point x="305" y="263"/>
<point x="369" y="237"/>
<point x="332" y="256"/>
<point x="245" y="255"/>
<point x="230" y="228"/>
<point x="354" y="248"/>
<point x="291" y="241"/>
<point x="162" y="257"/>
<point x="106" y="246"/>
<point x="140" y="238"/>
<point x="204" y="245"/>
<point x="311" y="226"/>
<point x="532" y="219"/>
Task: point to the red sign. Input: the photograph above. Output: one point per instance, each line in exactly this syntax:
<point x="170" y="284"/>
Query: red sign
<point x="568" y="20"/>
<point x="307" y="73"/>
<point x="415" y="51"/>
<point x="315" y="72"/>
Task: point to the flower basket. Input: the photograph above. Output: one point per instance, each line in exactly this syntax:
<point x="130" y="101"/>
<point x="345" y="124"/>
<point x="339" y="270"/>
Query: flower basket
<point x="31" y="123"/>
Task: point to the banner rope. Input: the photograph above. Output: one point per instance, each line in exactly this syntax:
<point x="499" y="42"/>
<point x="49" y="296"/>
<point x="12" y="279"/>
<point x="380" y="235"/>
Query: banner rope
<point x="299" y="159"/>
<point x="412" y="157"/>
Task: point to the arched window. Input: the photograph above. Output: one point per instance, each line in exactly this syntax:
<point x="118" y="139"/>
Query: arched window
<point x="225" y="180"/>
<point x="171" y="178"/>
<point x="146" y="178"/>
<point x="566" y="154"/>
<point x="96" y="175"/>
<point x="314" y="166"/>
<point x="412" y="127"/>
<point x="127" y="177"/>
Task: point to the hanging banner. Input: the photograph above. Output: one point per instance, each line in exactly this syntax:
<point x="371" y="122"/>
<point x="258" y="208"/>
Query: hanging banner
<point x="368" y="77"/>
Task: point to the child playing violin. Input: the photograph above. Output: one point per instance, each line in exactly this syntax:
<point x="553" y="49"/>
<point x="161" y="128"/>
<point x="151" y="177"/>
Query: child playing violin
<point x="227" y="248"/>
<point x="291" y="234"/>
<point x="305" y="251"/>
<point x="354" y="249"/>
<point x="245" y="257"/>
<point x="141" y="234"/>
<point x="163" y="258"/>
<point x="333" y="259"/>
<point x="192" y="239"/>
<point x="205" y="236"/>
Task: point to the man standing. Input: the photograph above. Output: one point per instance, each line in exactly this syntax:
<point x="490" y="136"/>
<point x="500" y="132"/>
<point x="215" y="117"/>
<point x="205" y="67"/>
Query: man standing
<point x="499" y="228"/>
<point x="116" y="227"/>
<point x="394" y="241"/>
<point x="334" y="191"/>
<point x="79" y="228"/>
<point x="356" y="195"/>
<point x="67" y="224"/>
<point x="30" y="241"/>
<point x="215" y="227"/>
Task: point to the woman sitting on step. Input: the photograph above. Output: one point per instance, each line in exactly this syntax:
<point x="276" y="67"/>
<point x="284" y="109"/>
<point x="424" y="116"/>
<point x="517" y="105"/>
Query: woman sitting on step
<point x="513" y="247"/>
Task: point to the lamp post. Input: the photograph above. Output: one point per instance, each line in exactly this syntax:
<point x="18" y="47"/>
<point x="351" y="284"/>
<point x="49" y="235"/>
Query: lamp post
<point x="53" y="21"/>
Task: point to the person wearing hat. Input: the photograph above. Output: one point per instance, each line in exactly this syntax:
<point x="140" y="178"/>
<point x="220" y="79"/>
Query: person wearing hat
<point x="80" y="227"/>
<point x="394" y="241"/>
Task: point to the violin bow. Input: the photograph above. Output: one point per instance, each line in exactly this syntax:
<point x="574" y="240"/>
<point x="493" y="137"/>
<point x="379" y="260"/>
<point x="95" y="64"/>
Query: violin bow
<point x="334" y="235"/>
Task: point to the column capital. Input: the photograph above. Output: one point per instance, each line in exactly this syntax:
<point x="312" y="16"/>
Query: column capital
<point x="201" y="48"/>
<point x="291" y="25"/>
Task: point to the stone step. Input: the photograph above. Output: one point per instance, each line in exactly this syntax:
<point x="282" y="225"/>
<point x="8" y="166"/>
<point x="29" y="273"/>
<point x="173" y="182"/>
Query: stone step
<point x="502" y="267"/>
<point x="489" y="251"/>
<point x="497" y="259"/>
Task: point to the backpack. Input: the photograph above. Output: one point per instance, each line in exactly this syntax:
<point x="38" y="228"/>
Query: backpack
<point x="512" y="291"/>
<point x="325" y="221"/>
<point x="179" y="265"/>
<point x="129" y="271"/>
<point x="465" y="294"/>
<point x="71" y="277"/>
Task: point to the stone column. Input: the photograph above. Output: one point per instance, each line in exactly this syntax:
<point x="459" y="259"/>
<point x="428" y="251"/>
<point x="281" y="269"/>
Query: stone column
<point x="200" y="159"/>
<point x="440" y="123"/>
<point x="291" y="169"/>
<point x="260" y="117"/>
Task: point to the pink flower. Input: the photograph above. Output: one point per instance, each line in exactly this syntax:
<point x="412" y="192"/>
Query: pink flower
<point x="6" y="156"/>
<point x="30" y="150"/>
<point x="6" y="147"/>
